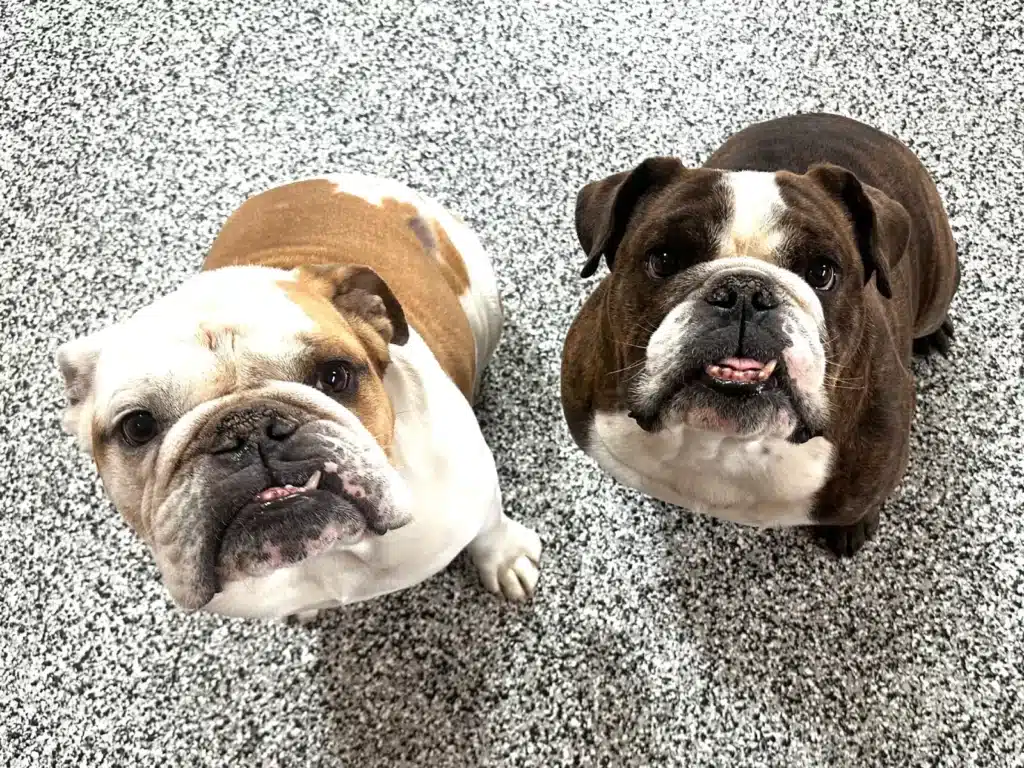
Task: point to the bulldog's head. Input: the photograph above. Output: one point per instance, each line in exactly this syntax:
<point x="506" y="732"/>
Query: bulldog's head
<point x="735" y="297"/>
<point x="241" y="423"/>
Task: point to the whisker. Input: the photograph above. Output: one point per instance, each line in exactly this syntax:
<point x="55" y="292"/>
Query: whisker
<point x="635" y="376"/>
<point x="626" y="368"/>
<point x="625" y="343"/>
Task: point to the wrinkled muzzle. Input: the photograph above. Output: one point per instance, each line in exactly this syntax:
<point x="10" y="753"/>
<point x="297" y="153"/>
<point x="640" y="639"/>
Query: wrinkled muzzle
<point x="739" y="355"/>
<point x="265" y="486"/>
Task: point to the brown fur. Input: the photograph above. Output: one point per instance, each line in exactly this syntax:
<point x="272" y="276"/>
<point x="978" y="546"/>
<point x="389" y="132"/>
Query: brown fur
<point x="452" y="265"/>
<point x="851" y="192"/>
<point x="308" y="224"/>
<point x="910" y="236"/>
<point x="607" y="341"/>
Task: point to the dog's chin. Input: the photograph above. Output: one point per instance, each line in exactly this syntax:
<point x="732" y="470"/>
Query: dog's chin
<point x="267" y="535"/>
<point x="739" y="403"/>
<point x="283" y="525"/>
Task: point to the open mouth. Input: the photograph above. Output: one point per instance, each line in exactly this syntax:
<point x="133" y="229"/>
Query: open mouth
<point x="312" y="505"/>
<point x="740" y="376"/>
<point x="285" y="524"/>
<point x="270" y="495"/>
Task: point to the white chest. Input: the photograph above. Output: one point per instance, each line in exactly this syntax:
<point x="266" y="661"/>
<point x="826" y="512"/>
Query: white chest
<point x="764" y="482"/>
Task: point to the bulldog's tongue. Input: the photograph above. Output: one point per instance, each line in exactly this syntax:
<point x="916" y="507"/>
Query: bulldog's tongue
<point x="742" y="369"/>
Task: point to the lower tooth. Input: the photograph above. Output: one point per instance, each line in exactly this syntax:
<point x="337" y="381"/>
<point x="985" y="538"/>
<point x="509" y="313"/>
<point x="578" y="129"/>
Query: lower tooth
<point x="313" y="482"/>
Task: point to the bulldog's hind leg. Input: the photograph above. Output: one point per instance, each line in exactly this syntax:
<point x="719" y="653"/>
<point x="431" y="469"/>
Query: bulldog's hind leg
<point x="507" y="555"/>
<point x="938" y="341"/>
<point x="941" y="339"/>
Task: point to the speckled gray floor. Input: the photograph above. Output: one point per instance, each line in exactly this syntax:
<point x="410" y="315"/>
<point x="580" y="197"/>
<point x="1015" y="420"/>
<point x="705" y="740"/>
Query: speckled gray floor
<point x="129" y="131"/>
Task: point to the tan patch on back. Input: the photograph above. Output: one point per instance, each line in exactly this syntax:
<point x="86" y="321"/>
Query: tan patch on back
<point x="452" y="265"/>
<point x="309" y="223"/>
<point x="436" y="242"/>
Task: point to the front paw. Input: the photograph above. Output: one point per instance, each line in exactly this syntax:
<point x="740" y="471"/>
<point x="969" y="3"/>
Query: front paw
<point x="507" y="557"/>
<point x="847" y="540"/>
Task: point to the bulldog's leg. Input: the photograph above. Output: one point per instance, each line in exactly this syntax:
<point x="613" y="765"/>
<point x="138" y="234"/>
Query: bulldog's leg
<point x="846" y="540"/>
<point x="847" y="508"/>
<point x="938" y="341"/>
<point x="507" y="555"/>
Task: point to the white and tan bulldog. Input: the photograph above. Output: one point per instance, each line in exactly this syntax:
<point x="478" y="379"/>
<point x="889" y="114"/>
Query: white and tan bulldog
<point x="292" y="429"/>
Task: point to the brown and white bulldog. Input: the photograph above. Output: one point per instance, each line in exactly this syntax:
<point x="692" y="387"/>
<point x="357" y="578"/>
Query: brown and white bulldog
<point x="292" y="428"/>
<point x="749" y="354"/>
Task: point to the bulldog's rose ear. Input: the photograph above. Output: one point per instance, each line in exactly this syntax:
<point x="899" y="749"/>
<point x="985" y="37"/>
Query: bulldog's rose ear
<point x="603" y="207"/>
<point x="76" y="361"/>
<point x="363" y="292"/>
<point x="881" y="225"/>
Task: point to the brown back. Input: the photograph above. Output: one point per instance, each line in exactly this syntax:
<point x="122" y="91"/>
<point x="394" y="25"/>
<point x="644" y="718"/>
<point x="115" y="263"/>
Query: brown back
<point x="310" y="223"/>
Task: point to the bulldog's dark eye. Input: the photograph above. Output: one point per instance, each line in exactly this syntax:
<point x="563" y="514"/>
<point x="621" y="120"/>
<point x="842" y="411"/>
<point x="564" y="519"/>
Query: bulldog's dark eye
<point x="661" y="265"/>
<point x="139" y="427"/>
<point x="821" y="275"/>
<point x="335" y="377"/>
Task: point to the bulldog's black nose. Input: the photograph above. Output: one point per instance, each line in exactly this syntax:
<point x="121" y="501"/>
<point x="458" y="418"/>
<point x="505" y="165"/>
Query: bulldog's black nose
<point x="250" y="426"/>
<point x="744" y="292"/>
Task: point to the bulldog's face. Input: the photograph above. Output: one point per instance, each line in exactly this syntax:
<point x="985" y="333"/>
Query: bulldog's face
<point x="735" y="297"/>
<point x="241" y="423"/>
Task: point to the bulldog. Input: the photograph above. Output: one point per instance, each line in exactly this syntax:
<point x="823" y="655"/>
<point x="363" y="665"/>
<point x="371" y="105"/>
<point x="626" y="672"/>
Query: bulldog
<point x="292" y="428"/>
<point x="749" y="354"/>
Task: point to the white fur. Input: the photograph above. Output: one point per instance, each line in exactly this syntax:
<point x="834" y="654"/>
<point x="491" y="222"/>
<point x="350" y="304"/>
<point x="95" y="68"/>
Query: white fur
<point x="159" y="342"/>
<point x="756" y="204"/>
<point x="441" y="454"/>
<point x="759" y="481"/>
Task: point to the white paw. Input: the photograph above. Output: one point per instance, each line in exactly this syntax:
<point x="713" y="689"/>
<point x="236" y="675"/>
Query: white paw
<point x="508" y="558"/>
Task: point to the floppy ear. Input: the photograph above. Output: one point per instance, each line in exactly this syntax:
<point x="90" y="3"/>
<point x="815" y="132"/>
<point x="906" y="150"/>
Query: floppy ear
<point x="76" y="361"/>
<point x="880" y="224"/>
<point x="361" y="291"/>
<point x="603" y="207"/>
